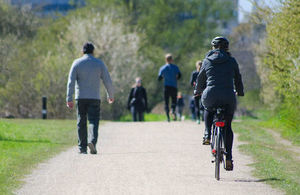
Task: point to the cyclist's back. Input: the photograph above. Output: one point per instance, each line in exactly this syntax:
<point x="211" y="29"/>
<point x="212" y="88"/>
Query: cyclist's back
<point x="220" y="70"/>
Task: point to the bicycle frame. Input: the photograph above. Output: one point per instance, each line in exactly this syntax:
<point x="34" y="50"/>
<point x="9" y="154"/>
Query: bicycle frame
<point x="218" y="141"/>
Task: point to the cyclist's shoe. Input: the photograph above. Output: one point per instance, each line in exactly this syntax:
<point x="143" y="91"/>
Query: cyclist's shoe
<point x="198" y="121"/>
<point x="229" y="165"/>
<point x="206" y="141"/>
<point x="92" y="148"/>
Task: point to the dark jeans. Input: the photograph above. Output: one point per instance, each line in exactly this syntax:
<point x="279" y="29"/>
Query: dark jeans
<point x="87" y="109"/>
<point x="170" y="92"/>
<point x="208" y="117"/>
<point x="198" y="106"/>
<point x="137" y="115"/>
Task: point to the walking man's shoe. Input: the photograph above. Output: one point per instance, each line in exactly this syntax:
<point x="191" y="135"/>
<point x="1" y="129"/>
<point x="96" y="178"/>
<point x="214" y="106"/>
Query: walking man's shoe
<point x="92" y="148"/>
<point x="82" y="151"/>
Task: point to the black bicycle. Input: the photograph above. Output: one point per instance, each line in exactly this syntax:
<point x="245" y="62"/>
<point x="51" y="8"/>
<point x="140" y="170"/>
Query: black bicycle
<point x="218" y="141"/>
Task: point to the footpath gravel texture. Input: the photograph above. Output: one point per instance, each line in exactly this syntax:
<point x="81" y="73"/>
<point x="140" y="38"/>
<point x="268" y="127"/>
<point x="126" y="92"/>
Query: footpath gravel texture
<point x="144" y="158"/>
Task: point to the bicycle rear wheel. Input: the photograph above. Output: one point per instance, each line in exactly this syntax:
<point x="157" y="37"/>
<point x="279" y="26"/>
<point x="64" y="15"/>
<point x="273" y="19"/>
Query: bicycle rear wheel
<point x="213" y="140"/>
<point x="218" y="155"/>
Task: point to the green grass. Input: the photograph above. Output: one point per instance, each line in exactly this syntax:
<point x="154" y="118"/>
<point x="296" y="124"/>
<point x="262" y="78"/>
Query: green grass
<point x="288" y="131"/>
<point x="273" y="162"/>
<point x="148" y="117"/>
<point x="24" y="143"/>
<point x="284" y="122"/>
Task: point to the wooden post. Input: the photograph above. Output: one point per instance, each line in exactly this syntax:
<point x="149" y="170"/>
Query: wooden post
<point x="44" y="109"/>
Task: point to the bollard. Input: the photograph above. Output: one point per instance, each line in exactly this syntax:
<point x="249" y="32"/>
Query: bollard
<point x="44" y="109"/>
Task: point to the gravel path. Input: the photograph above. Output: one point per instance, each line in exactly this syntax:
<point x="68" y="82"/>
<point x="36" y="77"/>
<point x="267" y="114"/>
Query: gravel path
<point x="144" y="158"/>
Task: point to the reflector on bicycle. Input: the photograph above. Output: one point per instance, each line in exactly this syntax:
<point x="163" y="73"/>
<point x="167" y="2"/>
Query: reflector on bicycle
<point x="220" y="124"/>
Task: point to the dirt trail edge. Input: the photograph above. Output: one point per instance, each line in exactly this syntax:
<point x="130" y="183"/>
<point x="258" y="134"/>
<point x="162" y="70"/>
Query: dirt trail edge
<point x="144" y="158"/>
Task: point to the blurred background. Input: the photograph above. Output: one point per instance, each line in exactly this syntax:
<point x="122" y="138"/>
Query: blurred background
<point x="40" y="39"/>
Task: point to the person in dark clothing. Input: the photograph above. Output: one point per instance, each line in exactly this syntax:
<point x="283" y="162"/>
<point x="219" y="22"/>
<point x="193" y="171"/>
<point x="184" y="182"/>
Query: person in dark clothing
<point x="180" y="105"/>
<point x="137" y="101"/>
<point x="84" y="78"/>
<point x="192" y="108"/>
<point x="198" y="105"/>
<point x="216" y="81"/>
<point x="170" y="73"/>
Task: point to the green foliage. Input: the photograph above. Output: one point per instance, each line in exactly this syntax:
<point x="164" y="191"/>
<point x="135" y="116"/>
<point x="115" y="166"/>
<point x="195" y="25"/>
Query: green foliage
<point x="24" y="143"/>
<point x="251" y="101"/>
<point x="21" y="23"/>
<point x="131" y="37"/>
<point x="183" y="28"/>
<point x="281" y="63"/>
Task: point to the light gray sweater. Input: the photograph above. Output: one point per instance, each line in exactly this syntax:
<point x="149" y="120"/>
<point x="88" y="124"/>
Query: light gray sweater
<point x="85" y="75"/>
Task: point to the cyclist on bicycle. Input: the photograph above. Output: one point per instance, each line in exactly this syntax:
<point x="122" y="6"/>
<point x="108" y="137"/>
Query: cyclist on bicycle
<point x="217" y="79"/>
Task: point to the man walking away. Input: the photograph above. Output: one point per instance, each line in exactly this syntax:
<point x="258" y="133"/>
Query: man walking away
<point x="84" y="76"/>
<point x="170" y="73"/>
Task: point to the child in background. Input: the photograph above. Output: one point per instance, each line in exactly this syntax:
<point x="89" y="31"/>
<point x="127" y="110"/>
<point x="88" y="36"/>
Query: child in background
<point x="180" y="105"/>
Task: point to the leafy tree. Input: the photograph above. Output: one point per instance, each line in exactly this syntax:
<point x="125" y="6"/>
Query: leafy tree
<point x="131" y="36"/>
<point x="280" y="72"/>
<point x="183" y="28"/>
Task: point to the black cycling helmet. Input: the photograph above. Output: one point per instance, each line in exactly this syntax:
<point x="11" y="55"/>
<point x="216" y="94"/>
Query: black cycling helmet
<point x="220" y="42"/>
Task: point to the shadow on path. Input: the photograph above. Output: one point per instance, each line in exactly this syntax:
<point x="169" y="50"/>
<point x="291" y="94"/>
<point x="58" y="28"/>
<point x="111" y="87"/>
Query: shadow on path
<point x="258" y="180"/>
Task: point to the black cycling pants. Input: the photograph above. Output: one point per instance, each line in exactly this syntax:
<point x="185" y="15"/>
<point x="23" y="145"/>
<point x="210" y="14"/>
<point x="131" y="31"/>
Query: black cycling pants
<point x="208" y="117"/>
<point x="170" y="92"/>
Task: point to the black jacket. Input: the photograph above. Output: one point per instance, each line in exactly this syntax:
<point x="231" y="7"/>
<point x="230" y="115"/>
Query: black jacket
<point x="217" y="79"/>
<point x="193" y="78"/>
<point x="140" y="95"/>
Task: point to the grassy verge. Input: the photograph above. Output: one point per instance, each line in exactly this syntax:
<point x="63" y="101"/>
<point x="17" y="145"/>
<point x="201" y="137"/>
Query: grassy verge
<point x="24" y="143"/>
<point x="287" y="131"/>
<point x="148" y="117"/>
<point x="273" y="162"/>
